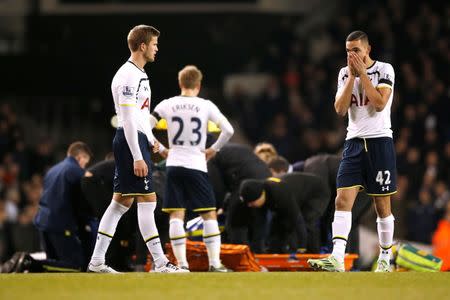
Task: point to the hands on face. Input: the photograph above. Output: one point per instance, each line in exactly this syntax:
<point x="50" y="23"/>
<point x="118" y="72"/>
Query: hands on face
<point x="356" y="64"/>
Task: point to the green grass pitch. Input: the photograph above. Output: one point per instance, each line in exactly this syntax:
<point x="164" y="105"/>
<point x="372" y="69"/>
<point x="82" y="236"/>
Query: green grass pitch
<point x="235" y="286"/>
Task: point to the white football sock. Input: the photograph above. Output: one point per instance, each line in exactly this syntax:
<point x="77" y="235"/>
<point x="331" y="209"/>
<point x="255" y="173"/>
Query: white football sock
<point x="385" y="227"/>
<point x="147" y="226"/>
<point x="341" y="228"/>
<point x="106" y="230"/>
<point x="211" y="238"/>
<point x="178" y="240"/>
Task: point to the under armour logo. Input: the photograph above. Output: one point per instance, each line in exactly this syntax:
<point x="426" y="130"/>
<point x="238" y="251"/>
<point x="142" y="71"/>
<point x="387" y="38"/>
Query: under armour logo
<point x="145" y="88"/>
<point x="385" y="188"/>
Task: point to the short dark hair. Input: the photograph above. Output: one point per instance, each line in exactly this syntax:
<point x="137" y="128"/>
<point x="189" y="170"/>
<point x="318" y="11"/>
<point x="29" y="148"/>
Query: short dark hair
<point x="251" y="189"/>
<point x="77" y="148"/>
<point x="358" y="35"/>
<point x="279" y="164"/>
<point x="141" y="34"/>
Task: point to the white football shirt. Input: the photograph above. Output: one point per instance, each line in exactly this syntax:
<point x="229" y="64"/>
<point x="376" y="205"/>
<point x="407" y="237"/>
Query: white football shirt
<point x="363" y="120"/>
<point x="131" y="88"/>
<point x="187" y="125"/>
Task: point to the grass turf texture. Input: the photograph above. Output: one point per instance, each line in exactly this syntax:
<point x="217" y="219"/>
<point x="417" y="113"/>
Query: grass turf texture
<point x="273" y="285"/>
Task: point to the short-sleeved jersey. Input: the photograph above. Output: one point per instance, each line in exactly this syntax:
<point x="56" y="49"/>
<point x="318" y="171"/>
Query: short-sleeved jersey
<point x="187" y="124"/>
<point x="131" y="87"/>
<point x="363" y="120"/>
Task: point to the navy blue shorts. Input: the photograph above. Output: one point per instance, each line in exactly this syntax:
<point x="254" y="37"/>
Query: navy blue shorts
<point x="188" y="189"/>
<point x="369" y="164"/>
<point x="125" y="182"/>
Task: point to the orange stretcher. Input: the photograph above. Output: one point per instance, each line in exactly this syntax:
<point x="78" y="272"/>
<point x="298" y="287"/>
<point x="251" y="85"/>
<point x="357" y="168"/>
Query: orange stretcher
<point x="240" y="259"/>
<point x="298" y="262"/>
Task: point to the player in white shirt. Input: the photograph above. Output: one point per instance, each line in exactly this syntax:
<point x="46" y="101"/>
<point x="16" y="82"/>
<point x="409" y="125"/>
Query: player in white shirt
<point x="365" y="91"/>
<point x="131" y="145"/>
<point x="187" y="185"/>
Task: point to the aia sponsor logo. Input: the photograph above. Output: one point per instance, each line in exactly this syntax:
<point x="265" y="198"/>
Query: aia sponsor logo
<point x="362" y="101"/>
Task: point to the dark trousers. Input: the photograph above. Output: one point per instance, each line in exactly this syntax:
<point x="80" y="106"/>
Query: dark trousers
<point x="287" y="239"/>
<point x="64" y="252"/>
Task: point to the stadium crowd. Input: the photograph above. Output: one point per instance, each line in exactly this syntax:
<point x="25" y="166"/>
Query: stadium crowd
<point x="295" y="114"/>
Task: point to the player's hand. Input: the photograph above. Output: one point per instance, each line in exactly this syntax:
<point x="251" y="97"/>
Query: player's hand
<point x="140" y="168"/>
<point x="358" y="64"/>
<point x="155" y="146"/>
<point x="164" y="153"/>
<point x="210" y="153"/>
<point x="350" y="65"/>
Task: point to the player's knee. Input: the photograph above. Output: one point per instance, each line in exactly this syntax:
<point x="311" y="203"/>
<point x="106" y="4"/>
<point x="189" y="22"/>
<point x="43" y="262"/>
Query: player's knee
<point x="125" y="201"/>
<point x="146" y="198"/>
<point x="178" y="214"/>
<point x="343" y="203"/>
<point x="383" y="206"/>
<point x="210" y="215"/>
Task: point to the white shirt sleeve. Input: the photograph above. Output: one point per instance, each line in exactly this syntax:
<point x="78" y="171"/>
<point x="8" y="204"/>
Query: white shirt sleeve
<point x="128" y="114"/>
<point x="127" y="93"/>
<point x="148" y="132"/>
<point x="387" y="77"/>
<point x="222" y="122"/>
<point x="341" y="79"/>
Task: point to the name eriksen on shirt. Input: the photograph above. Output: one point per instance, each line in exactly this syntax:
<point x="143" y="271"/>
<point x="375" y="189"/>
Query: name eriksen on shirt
<point x="186" y="106"/>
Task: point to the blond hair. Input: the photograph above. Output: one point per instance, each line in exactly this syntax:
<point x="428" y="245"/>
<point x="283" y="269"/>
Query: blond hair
<point x="190" y="77"/>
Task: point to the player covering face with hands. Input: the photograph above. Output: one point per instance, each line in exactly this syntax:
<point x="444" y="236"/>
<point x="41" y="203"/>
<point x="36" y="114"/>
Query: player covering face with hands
<point x="365" y="92"/>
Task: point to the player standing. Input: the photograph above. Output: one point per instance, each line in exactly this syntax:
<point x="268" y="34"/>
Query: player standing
<point x="187" y="183"/>
<point x="131" y="93"/>
<point x="365" y="90"/>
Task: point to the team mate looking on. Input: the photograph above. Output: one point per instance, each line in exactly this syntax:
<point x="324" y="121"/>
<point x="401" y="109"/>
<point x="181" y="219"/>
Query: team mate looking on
<point x="131" y="145"/>
<point x="187" y="184"/>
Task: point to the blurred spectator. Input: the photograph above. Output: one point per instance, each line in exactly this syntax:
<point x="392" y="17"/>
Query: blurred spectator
<point x="12" y="201"/>
<point x="442" y="194"/>
<point x="4" y="243"/>
<point x="422" y="218"/>
<point x="42" y="156"/>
